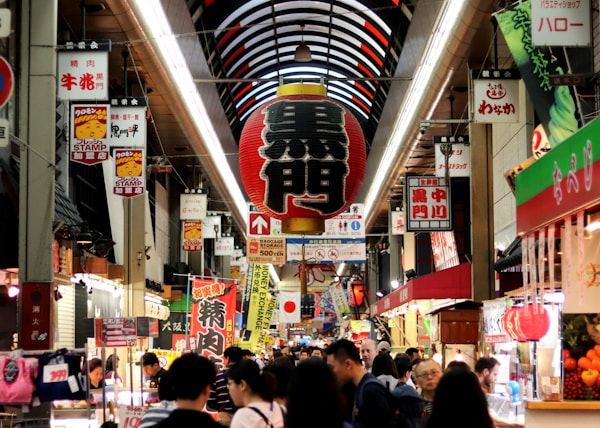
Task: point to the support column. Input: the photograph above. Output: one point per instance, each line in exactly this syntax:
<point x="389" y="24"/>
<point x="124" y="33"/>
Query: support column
<point x="482" y="214"/>
<point x="36" y="127"/>
<point x="135" y="256"/>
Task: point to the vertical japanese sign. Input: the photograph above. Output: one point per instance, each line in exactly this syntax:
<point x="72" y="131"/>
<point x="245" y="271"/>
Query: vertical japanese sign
<point x="555" y="106"/>
<point x="83" y="71"/>
<point x="427" y="204"/>
<point x="89" y="133"/>
<point x="445" y="253"/>
<point x="495" y="96"/>
<point x="339" y="299"/>
<point x="172" y="332"/>
<point x="493" y="328"/>
<point x="257" y="299"/>
<point x="36" y="332"/>
<point x="224" y="246"/>
<point x="213" y="317"/>
<point x="397" y="220"/>
<point x="192" y="236"/>
<point x="561" y="23"/>
<point x="129" y="172"/>
<point x="128" y="122"/>
<point x="458" y="151"/>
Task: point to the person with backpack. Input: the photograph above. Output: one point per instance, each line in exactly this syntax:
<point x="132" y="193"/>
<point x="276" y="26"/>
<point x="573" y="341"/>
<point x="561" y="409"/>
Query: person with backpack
<point x="408" y="404"/>
<point x="371" y="408"/>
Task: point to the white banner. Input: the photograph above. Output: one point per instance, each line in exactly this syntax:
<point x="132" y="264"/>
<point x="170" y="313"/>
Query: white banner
<point x="495" y="100"/>
<point x="339" y="299"/>
<point x="397" y="219"/>
<point x="459" y="157"/>
<point x="493" y="328"/>
<point x="224" y="246"/>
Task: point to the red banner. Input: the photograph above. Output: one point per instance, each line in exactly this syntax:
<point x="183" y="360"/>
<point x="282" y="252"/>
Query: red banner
<point x="213" y="317"/>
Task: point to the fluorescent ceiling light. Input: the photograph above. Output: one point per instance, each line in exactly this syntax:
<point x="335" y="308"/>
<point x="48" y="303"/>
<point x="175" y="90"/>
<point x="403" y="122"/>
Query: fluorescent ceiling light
<point x="444" y="27"/>
<point x="274" y="275"/>
<point x="156" y="26"/>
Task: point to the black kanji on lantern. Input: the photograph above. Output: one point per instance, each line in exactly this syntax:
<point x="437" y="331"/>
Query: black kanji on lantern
<point x="306" y="152"/>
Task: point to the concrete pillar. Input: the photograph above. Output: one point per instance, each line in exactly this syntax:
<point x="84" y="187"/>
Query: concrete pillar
<point x="36" y="126"/>
<point x="135" y="256"/>
<point x="482" y="214"/>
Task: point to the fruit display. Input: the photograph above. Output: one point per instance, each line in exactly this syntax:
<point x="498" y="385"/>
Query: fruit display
<point x="581" y="356"/>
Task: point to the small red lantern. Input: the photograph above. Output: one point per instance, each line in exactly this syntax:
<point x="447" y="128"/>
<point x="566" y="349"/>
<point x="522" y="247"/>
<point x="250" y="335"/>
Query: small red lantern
<point x="357" y="292"/>
<point x="534" y="324"/>
<point x="302" y="158"/>
<point x="511" y="324"/>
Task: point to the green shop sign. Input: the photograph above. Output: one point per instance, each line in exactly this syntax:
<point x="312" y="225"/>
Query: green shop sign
<point x="565" y="180"/>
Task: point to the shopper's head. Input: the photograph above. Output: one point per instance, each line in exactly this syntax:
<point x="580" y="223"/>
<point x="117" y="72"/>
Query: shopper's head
<point x="403" y="366"/>
<point x="459" y="397"/>
<point x="487" y="369"/>
<point x="413" y="353"/>
<point x="428" y="373"/>
<point x="150" y="363"/>
<point x="314" y="390"/>
<point x="368" y="351"/>
<point x="383" y="364"/>
<point x="95" y="369"/>
<point x="192" y="375"/>
<point x="232" y="355"/>
<point x="344" y="358"/>
<point x="245" y="382"/>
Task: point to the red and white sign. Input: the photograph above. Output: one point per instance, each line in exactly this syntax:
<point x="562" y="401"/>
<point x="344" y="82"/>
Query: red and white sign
<point x="7" y="81"/>
<point x="443" y="246"/>
<point x="128" y="123"/>
<point x="561" y="23"/>
<point x="289" y="307"/>
<point x="259" y="224"/>
<point x="83" y="75"/>
<point x="36" y="330"/>
<point x="55" y="373"/>
<point x="224" y="246"/>
<point x="397" y="220"/>
<point x="115" y="332"/>
<point x="89" y="133"/>
<point x="496" y="96"/>
<point x="130" y="416"/>
<point x="427" y="204"/>
<point x="129" y="177"/>
<point x="192" y="206"/>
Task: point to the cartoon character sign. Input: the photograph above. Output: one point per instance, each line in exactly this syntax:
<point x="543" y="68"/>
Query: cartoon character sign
<point x="89" y="133"/>
<point x="129" y="172"/>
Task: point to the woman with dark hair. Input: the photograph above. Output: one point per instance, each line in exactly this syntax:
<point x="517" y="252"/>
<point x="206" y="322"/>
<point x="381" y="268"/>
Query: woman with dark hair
<point x="459" y="401"/>
<point x="110" y="368"/>
<point x="385" y="370"/>
<point x="315" y="397"/>
<point x="252" y="394"/>
<point x="95" y="373"/>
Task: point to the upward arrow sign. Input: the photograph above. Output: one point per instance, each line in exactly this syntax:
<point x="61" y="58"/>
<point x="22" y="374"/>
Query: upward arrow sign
<point x="259" y="223"/>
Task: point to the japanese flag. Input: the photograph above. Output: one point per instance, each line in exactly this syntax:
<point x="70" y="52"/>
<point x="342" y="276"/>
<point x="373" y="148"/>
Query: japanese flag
<point x="289" y="306"/>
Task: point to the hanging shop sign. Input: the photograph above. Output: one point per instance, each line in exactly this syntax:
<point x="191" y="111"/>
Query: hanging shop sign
<point x="266" y="250"/>
<point x="302" y="158"/>
<point x="36" y="314"/>
<point x="561" y="23"/>
<point x="495" y="96"/>
<point x="397" y="221"/>
<point x="89" y="133"/>
<point x="339" y="298"/>
<point x="129" y="172"/>
<point x="192" y="236"/>
<point x="427" y="204"/>
<point x="115" y="332"/>
<point x="224" y="245"/>
<point x="213" y="317"/>
<point x="83" y="70"/>
<point x="443" y="248"/>
<point x="323" y="250"/>
<point x="493" y="327"/>
<point x="458" y="152"/>
<point x="555" y="107"/>
<point x="192" y="206"/>
<point x="561" y="182"/>
<point x="128" y="122"/>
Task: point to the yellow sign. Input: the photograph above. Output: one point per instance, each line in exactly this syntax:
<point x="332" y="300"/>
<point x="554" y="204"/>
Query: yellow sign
<point x="266" y="250"/>
<point x="165" y="357"/>
<point x="259" y="294"/>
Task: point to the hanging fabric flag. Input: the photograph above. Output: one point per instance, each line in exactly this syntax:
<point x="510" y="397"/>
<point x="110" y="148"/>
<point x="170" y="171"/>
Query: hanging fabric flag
<point x="289" y="306"/>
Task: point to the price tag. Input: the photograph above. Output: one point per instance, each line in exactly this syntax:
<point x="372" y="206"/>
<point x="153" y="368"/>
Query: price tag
<point x="130" y="416"/>
<point x="56" y="373"/>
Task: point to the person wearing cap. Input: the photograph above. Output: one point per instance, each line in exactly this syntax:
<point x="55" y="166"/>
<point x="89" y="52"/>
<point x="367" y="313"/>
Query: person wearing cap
<point x="153" y="370"/>
<point x="384" y="346"/>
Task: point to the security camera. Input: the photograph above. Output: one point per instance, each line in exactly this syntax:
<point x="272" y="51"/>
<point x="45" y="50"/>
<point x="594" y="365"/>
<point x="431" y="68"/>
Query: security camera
<point x="424" y="127"/>
<point x="423" y="130"/>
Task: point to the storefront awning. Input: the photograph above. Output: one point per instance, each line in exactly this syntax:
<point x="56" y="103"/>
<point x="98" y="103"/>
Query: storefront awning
<point x="451" y="283"/>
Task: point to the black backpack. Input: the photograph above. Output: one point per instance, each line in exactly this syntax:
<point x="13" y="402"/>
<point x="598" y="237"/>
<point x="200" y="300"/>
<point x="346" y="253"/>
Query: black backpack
<point x="406" y="404"/>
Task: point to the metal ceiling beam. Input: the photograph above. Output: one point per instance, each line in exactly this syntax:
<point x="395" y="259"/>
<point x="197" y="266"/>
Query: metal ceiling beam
<point x="304" y="79"/>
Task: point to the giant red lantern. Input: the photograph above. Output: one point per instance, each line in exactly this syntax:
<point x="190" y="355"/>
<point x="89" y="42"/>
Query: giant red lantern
<point x="511" y="324"/>
<point x="302" y="158"/>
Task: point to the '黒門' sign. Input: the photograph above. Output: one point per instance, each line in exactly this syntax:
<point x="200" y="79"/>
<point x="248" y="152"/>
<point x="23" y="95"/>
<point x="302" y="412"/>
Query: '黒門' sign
<point x="561" y="182"/>
<point x="427" y="204"/>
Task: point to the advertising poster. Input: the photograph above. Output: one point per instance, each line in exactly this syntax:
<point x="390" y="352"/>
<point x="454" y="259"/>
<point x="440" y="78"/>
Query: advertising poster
<point x="115" y="332"/>
<point x="213" y="317"/>
<point x="89" y="133"/>
<point x="266" y="250"/>
<point x="129" y="179"/>
<point x="192" y="236"/>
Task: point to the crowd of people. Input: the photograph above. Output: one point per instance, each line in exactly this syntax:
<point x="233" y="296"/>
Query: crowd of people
<point x="340" y="386"/>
